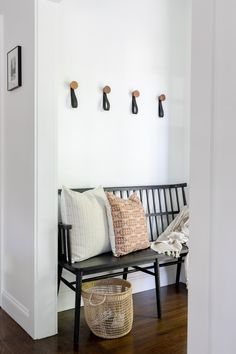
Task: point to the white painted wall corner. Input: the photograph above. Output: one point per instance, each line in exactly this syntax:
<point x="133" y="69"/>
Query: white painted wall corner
<point x="1" y="152"/>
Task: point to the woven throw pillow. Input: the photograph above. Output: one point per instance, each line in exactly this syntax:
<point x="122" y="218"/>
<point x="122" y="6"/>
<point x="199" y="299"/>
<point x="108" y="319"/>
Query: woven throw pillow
<point x="129" y="223"/>
<point x="87" y="214"/>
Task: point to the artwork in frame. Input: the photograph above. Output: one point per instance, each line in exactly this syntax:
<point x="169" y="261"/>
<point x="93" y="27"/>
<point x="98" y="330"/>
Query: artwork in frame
<point x="14" y="74"/>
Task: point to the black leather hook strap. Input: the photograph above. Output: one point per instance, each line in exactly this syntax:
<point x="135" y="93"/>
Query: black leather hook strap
<point x="134" y="105"/>
<point x="74" y="101"/>
<point x="161" y="110"/>
<point x="106" y="103"/>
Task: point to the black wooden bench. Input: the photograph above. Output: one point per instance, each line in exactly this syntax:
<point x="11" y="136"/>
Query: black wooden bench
<point x="161" y="203"/>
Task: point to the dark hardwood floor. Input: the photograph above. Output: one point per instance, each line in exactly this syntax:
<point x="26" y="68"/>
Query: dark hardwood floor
<point x="149" y="335"/>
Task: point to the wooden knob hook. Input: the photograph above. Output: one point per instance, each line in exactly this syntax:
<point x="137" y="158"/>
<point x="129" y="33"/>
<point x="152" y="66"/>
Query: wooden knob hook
<point x="136" y="93"/>
<point x="74" y="85"/>
<point x="162" y="97"/>
<point x="106" y="89"/>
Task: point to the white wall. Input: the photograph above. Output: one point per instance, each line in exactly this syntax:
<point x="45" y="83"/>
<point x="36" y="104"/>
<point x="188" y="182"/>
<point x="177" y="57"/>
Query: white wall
<point x="46" y="172"/>
<point x="200" y="175"/>
<point x="139" y="45"/>
<point x="223" y="311"/>
<point x="28" y="167"/>
<point x="213" y="173"/>
<point x="1" y="149"/>
<point x="18" y="169"/>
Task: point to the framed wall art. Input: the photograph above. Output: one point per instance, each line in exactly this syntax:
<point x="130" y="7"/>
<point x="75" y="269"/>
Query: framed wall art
<point x="14" y="72"/>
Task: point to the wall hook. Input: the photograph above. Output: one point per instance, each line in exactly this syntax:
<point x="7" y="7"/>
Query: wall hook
<point x="105" y="103"/>
<point x="73" y="86"/>
<point x="161" y="98"/>
<point x="135" y="94"/>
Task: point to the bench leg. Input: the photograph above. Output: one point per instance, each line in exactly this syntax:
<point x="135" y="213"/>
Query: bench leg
<point x="77" y="307"/>
<point x="157" y="283"/>
<point x="125" y="275"/>
<point x="59" y="273"/>
<point x="179" y="265"/>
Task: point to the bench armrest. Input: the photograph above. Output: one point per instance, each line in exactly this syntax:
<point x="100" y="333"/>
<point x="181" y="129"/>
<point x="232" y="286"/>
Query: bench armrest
<point x="64" y="243"/>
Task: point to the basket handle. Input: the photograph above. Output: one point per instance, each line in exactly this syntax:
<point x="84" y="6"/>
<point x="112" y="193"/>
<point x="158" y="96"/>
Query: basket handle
<point x="97" y="304"/>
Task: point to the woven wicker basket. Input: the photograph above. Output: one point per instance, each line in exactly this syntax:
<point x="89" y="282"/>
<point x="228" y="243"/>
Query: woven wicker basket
<point x="108" y="307"/>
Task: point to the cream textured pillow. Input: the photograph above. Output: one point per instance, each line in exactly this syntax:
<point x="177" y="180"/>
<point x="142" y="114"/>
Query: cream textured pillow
<point x="86" y="212"/>
<point x="130" y="226"/>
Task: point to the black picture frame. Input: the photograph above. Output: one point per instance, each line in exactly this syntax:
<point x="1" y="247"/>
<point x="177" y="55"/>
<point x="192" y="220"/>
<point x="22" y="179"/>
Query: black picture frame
<point x="14" y="68"/>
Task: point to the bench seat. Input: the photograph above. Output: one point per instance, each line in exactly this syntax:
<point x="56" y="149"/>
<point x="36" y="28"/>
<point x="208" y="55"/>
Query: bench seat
<point x="106" y="262"/>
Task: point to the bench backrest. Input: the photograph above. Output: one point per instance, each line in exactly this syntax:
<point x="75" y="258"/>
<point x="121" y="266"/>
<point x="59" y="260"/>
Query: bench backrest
<point x="161" y="203"/>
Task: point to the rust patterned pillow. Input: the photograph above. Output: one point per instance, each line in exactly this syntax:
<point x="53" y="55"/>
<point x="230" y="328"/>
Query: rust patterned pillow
<point x="129" y="223"/>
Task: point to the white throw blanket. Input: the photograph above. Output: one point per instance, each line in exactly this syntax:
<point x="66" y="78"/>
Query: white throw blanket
<point x="171" y="241"/>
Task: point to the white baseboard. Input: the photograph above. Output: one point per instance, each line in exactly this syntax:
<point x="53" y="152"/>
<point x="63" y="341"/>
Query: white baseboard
<point x="17" y="311"/>
<point x="140" y="282"/>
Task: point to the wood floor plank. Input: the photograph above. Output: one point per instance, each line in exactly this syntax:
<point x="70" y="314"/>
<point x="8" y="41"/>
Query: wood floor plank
<point x="148" y="336"/>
